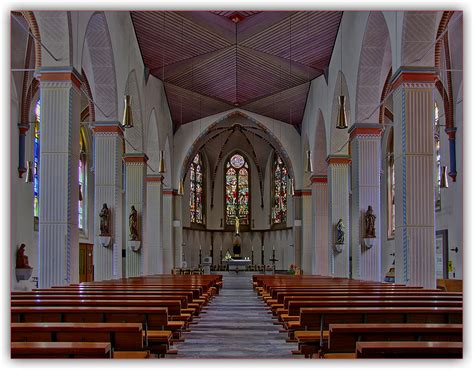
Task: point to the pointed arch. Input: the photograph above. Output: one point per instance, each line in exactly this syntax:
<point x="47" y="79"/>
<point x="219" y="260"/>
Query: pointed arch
<point x="102" y="67"/>
<point x="152" y="147"/>
<point x="375" y="62"/>
<point x="320" y="147"/>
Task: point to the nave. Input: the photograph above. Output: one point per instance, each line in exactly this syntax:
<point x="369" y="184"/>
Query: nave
<point x="237" y="324"/>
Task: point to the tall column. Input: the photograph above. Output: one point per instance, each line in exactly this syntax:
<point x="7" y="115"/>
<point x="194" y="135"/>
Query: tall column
<point x="59" y="185"/>
<point x="135" y="196"/>
<point x="168" y="257"/>
<point x="108" y="152"/>
<point x="320" y="225"/>
<point x="178" y="230"/>
<point x="307" y="255"/>
<point x="153" y="248"/>
<point x="297" y="230"/>
<point x="366" y="150"/>
<point x="414" y="177"/>
<point x="338" y="185"/>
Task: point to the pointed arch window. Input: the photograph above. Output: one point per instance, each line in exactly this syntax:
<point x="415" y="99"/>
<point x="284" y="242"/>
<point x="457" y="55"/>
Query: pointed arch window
<point x="390" y="188"/>
<point x="437" y="137"/>
<point x="237" y="194"/>
<point x="82" y="176"/>
<point x="196" y="193"/>
<point x="36" y="159"/>
<point x="279" y="191"/>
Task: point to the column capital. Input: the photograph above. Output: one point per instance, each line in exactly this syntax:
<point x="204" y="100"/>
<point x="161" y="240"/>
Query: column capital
<point x="303" y="193"/>
<point x="135" y="158"/>
<point x="318" y="179"/>
<point x="451" y="132"/>
<point x="23" y="128"/>
<point x="342" y="160"/>
<point x="168" y="191"/>
<point x="154" y="178"/>
<point x="106" y="128"/>
<point x="57" y="74"/>
<point x="365" y="130"/>
<point x="414" y="77"/>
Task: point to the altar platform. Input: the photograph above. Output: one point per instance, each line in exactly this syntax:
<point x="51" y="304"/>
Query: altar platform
<point x="237" y="264"/>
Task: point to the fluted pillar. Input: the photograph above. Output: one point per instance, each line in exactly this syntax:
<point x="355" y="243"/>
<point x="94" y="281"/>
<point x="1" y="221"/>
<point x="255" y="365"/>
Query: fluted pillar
<point x="177" y="229"/>
<point x="365" y="141"/>
<point x="168" y="257"/>
<point x="135" y="195"/>
<point x="414" y="177"/>
<point x="338" y="185"/>
<point x="153" y="248"/>
<point x="307" y="255"/>
<point x="58" y="261"/>
<point x="108" y="152"/>
<point x="297" y="230"/>
<point x="320" y="225"/>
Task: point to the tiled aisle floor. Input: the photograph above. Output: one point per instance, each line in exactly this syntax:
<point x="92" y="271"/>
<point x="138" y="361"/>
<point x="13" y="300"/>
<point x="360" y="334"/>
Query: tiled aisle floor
<point x="236" y="325"/>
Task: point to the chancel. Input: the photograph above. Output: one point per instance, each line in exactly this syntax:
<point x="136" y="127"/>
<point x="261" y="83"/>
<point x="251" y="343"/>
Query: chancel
<point x="236" y="184"/>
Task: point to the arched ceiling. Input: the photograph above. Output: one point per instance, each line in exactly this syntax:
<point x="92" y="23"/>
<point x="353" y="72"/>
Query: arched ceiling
<point x="234" y="133"/>
<point x="212" y="62"/>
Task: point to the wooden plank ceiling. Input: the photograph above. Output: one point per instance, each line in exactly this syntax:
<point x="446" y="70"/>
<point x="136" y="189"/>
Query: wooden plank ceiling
<point x="211" y="62"/>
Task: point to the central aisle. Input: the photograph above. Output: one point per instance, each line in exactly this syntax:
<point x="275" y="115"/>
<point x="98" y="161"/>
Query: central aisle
<point x="236" y="325"/>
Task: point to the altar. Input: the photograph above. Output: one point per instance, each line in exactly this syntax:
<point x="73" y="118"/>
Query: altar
<point x="237" y="264"/>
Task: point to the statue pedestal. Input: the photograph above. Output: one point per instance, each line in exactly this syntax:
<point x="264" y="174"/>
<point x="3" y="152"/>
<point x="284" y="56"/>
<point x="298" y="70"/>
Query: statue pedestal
<point x="338" y="248"/>
<point x="135" y="245"/>
<point x="23" y="273"/>
<point x="105" y="240"/>
<point x="369" y="242"/>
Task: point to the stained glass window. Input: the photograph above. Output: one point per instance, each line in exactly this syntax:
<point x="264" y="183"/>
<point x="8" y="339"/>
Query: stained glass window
<point x="82" y="183"/>
<point x="196" y="193"/>
<point x="390" y="189"/>
<point x="36" y="159"/>
<point x="438" y="156"/>
<point x="280" y="191"/>
<point x="237" y="198"/>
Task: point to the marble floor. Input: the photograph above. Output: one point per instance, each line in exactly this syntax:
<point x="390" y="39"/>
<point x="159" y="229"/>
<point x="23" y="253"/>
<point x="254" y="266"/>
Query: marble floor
<point x="236" y="324"/>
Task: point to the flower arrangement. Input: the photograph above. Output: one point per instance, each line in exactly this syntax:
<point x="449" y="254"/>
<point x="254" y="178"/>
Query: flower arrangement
<point x="291" y="269"/>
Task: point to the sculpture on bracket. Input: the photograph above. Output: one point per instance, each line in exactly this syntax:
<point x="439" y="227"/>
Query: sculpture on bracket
<point x="104" y="220"/>
<point x="21" y="258"/>
<point x="370" y="223"/>
<point x="340" y="232"/>
<point x="133" y="223"/>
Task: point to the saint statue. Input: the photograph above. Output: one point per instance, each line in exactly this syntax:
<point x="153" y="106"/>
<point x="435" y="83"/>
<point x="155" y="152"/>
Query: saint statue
<point x="104" y="220"/>
<point x="370" y="223"/>
<point x="133" y="223"/>
<point x="21" y="258"/>
<point x="237" y="225"/>
<point x="340" y="232"/>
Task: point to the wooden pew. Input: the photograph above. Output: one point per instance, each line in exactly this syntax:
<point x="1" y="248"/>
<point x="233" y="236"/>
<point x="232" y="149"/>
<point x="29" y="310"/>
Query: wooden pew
<point x="122" y="336"/>
<point x="60" y="350"/>
<point x="343" y="337"/>
<point x="409" y="350"/>
<point x="449" y="285"/>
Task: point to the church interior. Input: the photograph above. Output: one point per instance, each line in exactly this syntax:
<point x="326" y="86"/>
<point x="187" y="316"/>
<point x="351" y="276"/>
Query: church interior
<point x="236" y="184"/>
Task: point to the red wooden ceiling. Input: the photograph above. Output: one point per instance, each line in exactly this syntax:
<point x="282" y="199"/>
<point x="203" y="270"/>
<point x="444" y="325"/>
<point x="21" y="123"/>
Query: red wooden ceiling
<point x="214" y="61"/>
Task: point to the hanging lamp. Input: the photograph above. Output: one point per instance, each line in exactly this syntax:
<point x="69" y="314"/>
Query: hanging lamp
<point x="308" y="165"/>
<point x="180" y="187"/>
<point x="444" y="178"/>
<point x="341" y="104"/>
<point x="29" y="172"/>
<point x="162" y="168"/>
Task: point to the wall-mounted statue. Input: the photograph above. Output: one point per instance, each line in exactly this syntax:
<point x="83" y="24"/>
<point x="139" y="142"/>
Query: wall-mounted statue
<point x="104" y="220"/>
<point x="340" y="232"/>
<point x="133" y="223"/>
<point x="370" y="223"/>
<point x="21" y="258"/>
